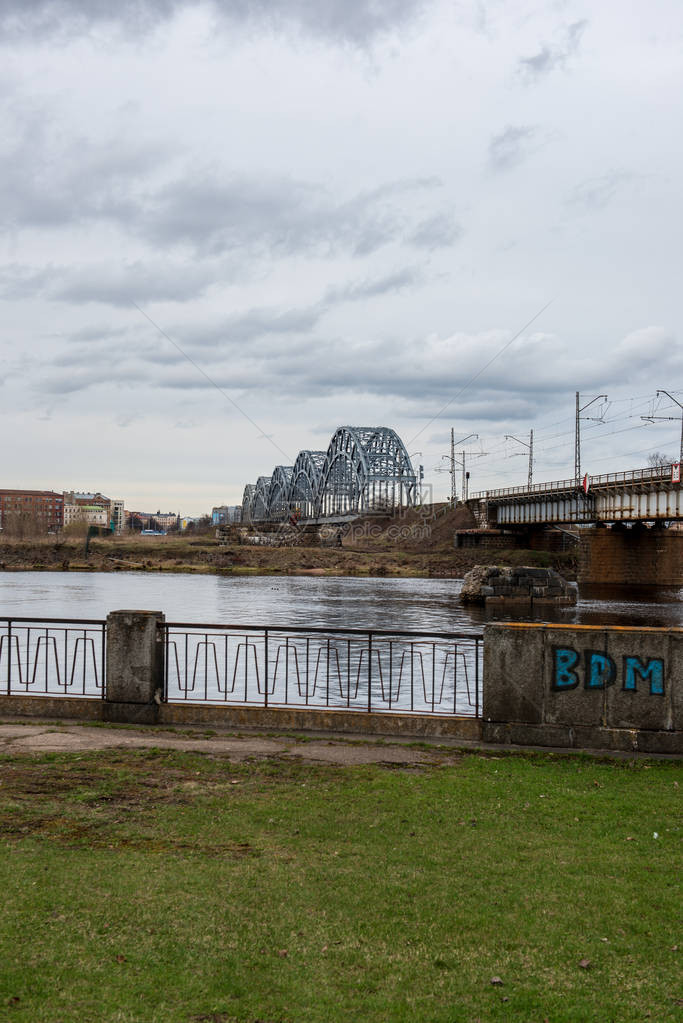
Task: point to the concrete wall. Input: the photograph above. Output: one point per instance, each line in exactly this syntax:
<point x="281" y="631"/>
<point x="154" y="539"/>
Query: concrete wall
<point x="350" y="722"/>
<point x="601" y="687"/>
<point x="636" y="556"/>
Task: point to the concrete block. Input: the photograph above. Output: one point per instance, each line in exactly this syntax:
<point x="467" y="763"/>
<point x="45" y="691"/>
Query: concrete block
<point x="541" y="735"/>
<point x="513" y="682"/>
<point x="135" y="657"/>
<point x="661" y="742"/>
<point x="130" y="713"/>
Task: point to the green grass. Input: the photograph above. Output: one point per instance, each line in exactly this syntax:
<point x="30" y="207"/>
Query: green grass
<point x="165" y="886"/>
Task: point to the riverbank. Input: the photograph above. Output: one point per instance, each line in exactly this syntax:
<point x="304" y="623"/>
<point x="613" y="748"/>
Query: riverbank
<point x="378" y="554"/>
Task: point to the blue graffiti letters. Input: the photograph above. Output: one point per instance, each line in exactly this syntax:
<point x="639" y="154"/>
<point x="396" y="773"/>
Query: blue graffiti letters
<point x="601" y="670"/>
<point x="565" y="660"/>
<point x="652" y="671"/>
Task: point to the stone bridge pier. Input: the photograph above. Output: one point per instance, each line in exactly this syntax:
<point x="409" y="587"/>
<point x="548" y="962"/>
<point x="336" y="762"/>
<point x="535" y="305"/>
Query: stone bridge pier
<point x="635" y="555"/>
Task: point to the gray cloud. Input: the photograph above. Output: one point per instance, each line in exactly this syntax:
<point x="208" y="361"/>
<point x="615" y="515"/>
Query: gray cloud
<point x="273" y="216"/>
<point x="49" y="181"/>
<point x="512" y="145"/>
<point x="80" y="378"/>
<point x="255" y="323"/>
<point x="18" y="281"/>
<point x="388" y="367"/>
<point x="113" y="284"/>
<point x="437" y="232"/>
<point x="400" y="280"/>
<point x="141" y="281"/>
<point x="550" y="58"/>
<point x="597" y="193"/>
<point x="357" y="22"/>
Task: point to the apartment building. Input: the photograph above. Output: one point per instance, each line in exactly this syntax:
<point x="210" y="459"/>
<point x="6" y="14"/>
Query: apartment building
<point x="31" y="511"/>
<point x="94" y="509"/>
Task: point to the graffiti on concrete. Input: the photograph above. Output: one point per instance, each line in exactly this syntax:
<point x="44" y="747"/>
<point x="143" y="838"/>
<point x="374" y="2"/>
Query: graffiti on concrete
<point x="598" y="670"/>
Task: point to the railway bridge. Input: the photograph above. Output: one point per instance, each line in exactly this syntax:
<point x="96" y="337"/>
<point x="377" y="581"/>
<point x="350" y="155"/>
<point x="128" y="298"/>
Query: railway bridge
<point x="641" y="495"/>
<point x="364" y="469"/>
<point x="627" y="523"/>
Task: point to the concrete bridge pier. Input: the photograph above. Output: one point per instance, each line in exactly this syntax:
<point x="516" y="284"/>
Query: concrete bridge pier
<point x="635" y="555"/>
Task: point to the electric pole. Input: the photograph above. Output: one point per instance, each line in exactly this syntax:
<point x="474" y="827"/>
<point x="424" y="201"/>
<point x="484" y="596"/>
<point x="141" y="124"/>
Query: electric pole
<point x="577" y="433"/>
<point x="452" y="468"/>
<point x="461" y="440"/>
<point x="530" y="446"/>
<point x="465" y="474"/>
<point x="651" y="419"/>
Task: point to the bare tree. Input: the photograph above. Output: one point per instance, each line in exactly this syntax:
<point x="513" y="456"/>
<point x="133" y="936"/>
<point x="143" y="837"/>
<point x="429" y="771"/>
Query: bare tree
<point x="658" y="458"/>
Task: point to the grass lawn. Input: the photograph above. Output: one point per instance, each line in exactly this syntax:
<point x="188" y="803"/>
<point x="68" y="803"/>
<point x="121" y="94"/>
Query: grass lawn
<point x="166" y="886"/>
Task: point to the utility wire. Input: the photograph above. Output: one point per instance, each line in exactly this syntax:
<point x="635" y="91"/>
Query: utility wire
<point x="479" y="373"/>
<point x="262" y="433"/>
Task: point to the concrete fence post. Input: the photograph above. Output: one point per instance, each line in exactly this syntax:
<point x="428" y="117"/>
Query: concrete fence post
<point x="135" y="666"/>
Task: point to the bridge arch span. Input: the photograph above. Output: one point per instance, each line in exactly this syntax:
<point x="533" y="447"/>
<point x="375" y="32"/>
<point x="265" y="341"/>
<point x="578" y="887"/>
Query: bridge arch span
<point x="303" y="495"/>
<point x="278" y="492"/>
<point x="259" y="509"/>
<point x="366" y="469"/>
<point x="248" y="502"/>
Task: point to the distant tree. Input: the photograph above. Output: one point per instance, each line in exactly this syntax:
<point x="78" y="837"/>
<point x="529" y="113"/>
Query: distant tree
<point x="79" y="527"/>
<point x="657" y="458"/>
<point x="24" y="524"/>
<point x="205" y="524"/>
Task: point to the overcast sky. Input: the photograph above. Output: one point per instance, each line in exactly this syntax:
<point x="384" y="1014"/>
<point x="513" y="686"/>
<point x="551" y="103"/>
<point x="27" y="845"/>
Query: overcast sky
<point x="334" y="212"/>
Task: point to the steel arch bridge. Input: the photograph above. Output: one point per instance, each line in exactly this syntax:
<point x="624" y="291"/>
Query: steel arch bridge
<point x="365" y="469"/>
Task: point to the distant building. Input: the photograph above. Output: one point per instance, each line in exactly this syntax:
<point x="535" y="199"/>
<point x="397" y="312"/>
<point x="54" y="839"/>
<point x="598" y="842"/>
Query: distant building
<point x="165" y="520"/>
<point x="27" y="511"/>
<point x="137" y="519"/>
<point x="93" y="509"/>
<point x="117" y="515"/>
<point x="160" y="521"/>
<point x="225" y="514"/>
<point x="90" y="514"/>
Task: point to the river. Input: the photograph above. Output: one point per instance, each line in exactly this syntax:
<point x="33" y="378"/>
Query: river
<point x="327" y="601"/>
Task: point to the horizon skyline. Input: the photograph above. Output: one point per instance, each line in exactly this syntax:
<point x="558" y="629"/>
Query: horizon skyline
<point x="230" y="229"/>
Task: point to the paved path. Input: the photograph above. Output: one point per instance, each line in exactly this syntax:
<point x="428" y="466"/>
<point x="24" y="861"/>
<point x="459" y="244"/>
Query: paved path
<point x="31" y="736"/>
<point x="52" y="738"/>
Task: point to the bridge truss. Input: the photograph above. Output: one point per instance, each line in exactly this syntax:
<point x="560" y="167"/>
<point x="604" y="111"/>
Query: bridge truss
<point x="640" y="495"/>
<point x="365" y="469"/>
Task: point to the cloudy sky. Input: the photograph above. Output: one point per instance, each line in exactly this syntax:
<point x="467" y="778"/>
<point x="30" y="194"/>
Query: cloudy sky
<point x="230" y="226"/>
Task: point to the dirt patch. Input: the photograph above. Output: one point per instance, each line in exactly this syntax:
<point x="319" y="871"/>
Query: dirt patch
<point x="237" y="748"/>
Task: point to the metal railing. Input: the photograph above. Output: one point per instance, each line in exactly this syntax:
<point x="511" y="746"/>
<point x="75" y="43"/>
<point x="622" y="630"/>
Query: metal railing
<point x="634" y="477"/>
<point x="267" y="666"/>
<point x="355" y="669"/>
<point x="52" y="656"/>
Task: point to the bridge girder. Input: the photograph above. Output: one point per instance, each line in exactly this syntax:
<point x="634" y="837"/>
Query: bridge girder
<point x="364" y="469"/>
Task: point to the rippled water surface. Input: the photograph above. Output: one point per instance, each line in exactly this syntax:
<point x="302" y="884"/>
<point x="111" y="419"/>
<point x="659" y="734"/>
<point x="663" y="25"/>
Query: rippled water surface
<point x="416" y="604"/>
